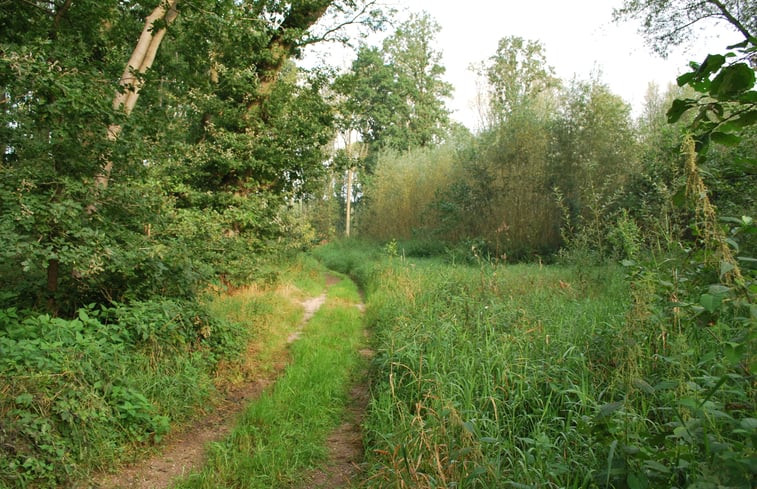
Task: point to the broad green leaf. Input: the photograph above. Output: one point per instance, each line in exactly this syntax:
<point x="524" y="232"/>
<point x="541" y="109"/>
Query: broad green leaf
<point x="686" y="78"/>
<point x="679" y="198"/>
<point x="711" y="303"/>
<point x="643" y="385"/>
<point x="725" y="139"/>
<point x="656" y="467"/>
<point x="637" y="481"/>
<point x="725" y="267"/>
<point x="609" y="408"/>
<point x="719" y="289"/>
<point x="679" y="107"/>
<point x="666" y="385"/>
<point x="711" y="64"/>
<point x="732" y="80"/>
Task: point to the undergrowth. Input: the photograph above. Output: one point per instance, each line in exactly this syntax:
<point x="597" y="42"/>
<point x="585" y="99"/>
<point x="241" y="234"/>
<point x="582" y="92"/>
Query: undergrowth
<point x="85" y="394"/>
<point x="525" y="376"/>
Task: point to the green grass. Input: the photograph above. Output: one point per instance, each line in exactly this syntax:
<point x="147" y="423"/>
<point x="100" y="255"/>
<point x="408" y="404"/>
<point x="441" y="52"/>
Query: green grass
<point x="525" y="376"/>
<point x="284" y="432"/>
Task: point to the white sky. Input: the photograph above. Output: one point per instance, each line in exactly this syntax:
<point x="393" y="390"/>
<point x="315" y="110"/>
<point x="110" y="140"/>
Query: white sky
<point x="579" y="38"/>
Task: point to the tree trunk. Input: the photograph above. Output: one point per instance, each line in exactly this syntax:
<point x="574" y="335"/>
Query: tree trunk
<point x="282" y="45"/>
<point x="140" y="61"/>
<point x="349" y="202"/>
<point x="53" y="267"/>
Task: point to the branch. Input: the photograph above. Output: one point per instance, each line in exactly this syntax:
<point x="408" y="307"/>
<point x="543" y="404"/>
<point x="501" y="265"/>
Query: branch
<point x="733" y="20"/>
<point x="35" y="5"/>
<point x="354" y="20"/>
<point x="59" y="16"/>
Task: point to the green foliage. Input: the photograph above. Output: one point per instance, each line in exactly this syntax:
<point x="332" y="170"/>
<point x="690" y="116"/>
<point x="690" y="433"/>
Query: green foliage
<point x="394" y="96"/>
<point x="495" y="190"/>
<point x="77" y="391"/>
<point x="666" y="23"/>
<point x="727" y="101"/>
<point x="518" y="75"/>
<point x="400" y="195"/>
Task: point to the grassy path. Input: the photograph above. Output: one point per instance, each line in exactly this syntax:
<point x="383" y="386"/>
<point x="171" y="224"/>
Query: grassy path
<point x="283" y="435"/>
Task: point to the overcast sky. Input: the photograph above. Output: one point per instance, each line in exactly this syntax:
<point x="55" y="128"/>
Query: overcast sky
<point x="579" y="37"/>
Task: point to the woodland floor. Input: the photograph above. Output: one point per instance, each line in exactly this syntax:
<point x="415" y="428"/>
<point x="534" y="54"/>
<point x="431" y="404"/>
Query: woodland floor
<point x="184" y="450"/>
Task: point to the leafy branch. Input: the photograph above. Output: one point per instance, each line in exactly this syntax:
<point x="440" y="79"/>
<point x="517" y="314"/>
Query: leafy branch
<point x="727" y="101"/>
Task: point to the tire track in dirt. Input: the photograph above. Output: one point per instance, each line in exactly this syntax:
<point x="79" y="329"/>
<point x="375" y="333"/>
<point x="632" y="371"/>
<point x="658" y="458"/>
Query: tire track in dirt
<point x="184" y="450"/>
<point x="345" y="443"/>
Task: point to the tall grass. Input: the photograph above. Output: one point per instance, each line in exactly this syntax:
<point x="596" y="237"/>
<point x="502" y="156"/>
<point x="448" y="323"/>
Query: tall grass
<point x="524" y="376"/>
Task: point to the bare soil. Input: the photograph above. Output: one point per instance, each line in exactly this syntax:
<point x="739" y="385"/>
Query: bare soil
<point x="184" y="450"/>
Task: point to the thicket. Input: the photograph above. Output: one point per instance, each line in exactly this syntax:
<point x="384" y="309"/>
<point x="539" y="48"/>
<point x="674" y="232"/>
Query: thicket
<point x="519" y="188"/>
<point x="660" y="393"/>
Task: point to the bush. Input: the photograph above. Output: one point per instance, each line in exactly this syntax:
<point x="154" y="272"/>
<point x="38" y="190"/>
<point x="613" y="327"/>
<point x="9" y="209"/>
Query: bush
<point x="77" y="391"/>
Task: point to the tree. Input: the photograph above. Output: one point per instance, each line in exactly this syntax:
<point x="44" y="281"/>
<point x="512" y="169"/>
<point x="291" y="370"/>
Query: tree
<point x="240" y="136"/>
<point x="395" y="96"/>
<point x="669" y="23"/>
<point x="517" y="74"/>
<point x="418" y="70"/>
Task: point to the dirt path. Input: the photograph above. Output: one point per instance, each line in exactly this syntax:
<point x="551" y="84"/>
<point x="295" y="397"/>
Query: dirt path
<point x="345" y="444"/>
<point x="184" y="450"/>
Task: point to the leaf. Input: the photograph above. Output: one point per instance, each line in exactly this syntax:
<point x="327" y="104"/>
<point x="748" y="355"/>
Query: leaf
<point x="725" y="268"/>
<point x="725" y="139"/>
<point x="733" y="353"/>
<point x="656" y="467"/>
<point x="745" y="119"/>
<point x="637" y="481"/>
<point x="679" y="107"/>
<point x="749" y="97"/>
<point x="610" y="457"/>
<point x="685" y="78"/>
<point x="679" y="198"/>
<point x="740" y="45"/>
<point x="711" y="64"/>
<point x="643" y="385"/>
<point x="24" y="399"/>
<point x="666" y="385"/>
<point x="608" y="409"/>
<point x="718" y="289"/>
<point x="732" y="80"/>
<point x="711" y="303"/>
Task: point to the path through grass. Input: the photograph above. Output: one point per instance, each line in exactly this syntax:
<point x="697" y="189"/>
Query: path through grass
<point x="284" y="433"/>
